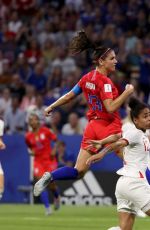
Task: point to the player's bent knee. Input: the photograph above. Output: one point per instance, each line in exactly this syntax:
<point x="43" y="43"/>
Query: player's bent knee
<point x="81" y="172"/>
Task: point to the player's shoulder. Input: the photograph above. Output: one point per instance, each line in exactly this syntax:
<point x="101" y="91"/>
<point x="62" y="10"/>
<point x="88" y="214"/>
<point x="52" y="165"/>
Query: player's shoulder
<point x="87" y="75"/>
<point x="28" y="135"/>
<point x="134" y="133"/>
<point x="104" y="79"/>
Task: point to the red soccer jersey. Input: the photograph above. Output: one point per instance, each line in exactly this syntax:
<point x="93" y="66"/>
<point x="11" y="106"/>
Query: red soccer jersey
<point x="96" y="88"/>
<point x="40" y="142"/>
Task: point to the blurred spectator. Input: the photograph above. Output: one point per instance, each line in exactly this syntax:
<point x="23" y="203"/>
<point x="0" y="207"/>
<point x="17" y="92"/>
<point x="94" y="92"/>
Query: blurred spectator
<point x="29" y="98"/>
<point x="38" y="79"/>
<point x="4" y="11"/>
<point x="14" y="118"/>
<point x="56" y="122"/>
<point x="33" y="52"/>
<point x="24" y="7"/>
<point x="17" y="87"/>
<point x="6" y="76"/>
<point x="2" y="61"/>
<point x="138" y="93"/>
<point x="34" y="36"/>
<point x="5" y="101"/>
<point x="63" y="36"/>
<point x="73" y="126"/>
<point x="46" y="34"/>
<point x="64" y="158"/>
<point x="77" y="5"/>
<point x="8" y="45"/>
<point x="14" y="23"/>
<point x="22" y="67"/>
<point x="66" y="63"/>
<point x="49" y="51"/>
<point x="55" y="78"/>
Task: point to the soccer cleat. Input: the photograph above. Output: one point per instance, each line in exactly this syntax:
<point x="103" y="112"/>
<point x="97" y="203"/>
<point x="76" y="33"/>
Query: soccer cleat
<point x="48" y="211"/>
<point x="41" y="184"/>
<point x="57" y="203"/>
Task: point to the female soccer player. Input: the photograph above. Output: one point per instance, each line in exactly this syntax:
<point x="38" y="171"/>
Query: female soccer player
<point x="132" y="189"/>
<point x="2" y="146"/>
<point x="103" y="101"/>
<point x="38" y="141"/>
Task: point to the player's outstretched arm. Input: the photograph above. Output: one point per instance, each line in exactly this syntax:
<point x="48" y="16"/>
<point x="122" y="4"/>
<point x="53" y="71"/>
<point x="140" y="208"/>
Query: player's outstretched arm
<point x="61" y="101"/>
<point x="112" y="147"/>
<point x="98" y="144"/>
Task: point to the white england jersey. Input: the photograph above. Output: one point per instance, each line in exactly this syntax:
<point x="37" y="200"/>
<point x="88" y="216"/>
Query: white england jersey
<point x="1" y="128"/>
<point x="136" y="154"/>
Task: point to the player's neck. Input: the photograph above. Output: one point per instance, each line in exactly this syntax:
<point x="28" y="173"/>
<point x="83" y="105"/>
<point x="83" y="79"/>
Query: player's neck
<point x="142" y="129"/>
<point x="102" y="70"/>
<point x="35" y="130"/>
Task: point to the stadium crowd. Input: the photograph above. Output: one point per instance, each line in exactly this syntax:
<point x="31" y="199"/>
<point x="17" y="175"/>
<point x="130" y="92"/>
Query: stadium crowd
<point x="36" y="67"/>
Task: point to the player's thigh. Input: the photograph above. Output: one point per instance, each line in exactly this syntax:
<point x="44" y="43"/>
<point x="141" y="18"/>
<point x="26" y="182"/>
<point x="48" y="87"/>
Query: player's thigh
<point x="139" y="193"/>
<point x="131" y="189"/>
<point x="124" y="204"/>
<point x="81" y="165"/>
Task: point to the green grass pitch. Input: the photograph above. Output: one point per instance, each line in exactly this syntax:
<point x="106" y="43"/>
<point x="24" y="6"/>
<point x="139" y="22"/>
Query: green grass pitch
<point x="31" y="217"/>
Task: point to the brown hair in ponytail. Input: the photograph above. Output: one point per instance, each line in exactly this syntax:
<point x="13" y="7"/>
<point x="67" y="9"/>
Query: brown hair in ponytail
<point x="81" y="43"/>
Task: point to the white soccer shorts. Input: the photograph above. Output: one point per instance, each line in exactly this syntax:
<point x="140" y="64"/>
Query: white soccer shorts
<point x="132" y="194"/>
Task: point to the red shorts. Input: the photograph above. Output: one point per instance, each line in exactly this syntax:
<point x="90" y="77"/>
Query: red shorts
<point x="41" y="167"/>
<point x="98" y="130"/>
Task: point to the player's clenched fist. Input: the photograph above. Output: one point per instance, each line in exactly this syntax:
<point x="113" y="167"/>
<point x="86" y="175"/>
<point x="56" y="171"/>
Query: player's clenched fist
<point x="48" y="111"/>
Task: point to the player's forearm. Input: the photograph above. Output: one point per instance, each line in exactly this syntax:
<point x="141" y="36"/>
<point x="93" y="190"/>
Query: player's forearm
<point x="112" y="147"/>
<point x="99" y="156"/>
<point x="110" y="139"/>
<point x="116" y="104"/>
<point x="117" y="145"/>
<point x="63" y="100"/>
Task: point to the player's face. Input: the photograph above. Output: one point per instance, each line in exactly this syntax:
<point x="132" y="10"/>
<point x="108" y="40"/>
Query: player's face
<point x="109" y="63"/>
<point x="143" y="120"/>
<point x="34" y="122"/>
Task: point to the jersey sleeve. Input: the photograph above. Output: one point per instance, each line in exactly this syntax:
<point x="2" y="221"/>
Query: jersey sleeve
<point x="105" y="90"/>
<point x="132" y="136"/>
<point x="52" y="136"/>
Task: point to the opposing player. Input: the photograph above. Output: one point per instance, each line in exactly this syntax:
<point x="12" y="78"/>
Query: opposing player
<point x="2" y="146"/>
<point x="38" y="141"/>
<point x="132" y="189"/>
<point x="103" y="101"/>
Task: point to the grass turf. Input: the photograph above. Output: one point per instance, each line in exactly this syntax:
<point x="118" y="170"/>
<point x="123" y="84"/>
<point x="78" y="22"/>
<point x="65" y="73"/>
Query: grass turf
<point x="28" y="217"/>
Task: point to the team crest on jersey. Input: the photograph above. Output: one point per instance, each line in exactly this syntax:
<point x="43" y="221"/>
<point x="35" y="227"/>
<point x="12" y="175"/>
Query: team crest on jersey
<point x="90" y="85"/>
<point x="107" y="88"/>
<point x="42" y="136"/>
